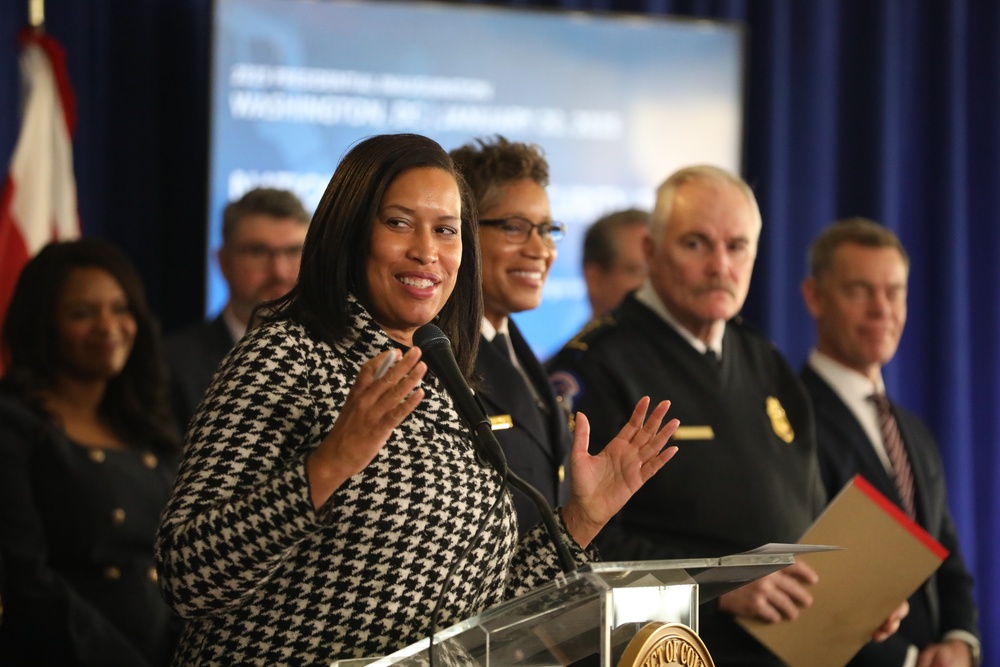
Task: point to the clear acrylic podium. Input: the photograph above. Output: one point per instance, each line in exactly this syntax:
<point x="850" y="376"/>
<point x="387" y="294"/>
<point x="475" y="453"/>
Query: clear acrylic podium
<point x="586" y="618"/>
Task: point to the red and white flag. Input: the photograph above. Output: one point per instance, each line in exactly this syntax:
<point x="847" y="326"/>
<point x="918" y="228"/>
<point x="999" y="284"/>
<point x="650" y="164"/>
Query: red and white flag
<point x="38" y="204"/>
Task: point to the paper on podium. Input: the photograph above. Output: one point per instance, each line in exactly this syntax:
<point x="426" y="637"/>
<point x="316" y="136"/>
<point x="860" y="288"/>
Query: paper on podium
<point x="885" y="558"/>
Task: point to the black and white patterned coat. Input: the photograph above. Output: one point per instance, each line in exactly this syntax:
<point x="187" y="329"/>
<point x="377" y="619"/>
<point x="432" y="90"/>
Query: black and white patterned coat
<point x="265" y="579"/>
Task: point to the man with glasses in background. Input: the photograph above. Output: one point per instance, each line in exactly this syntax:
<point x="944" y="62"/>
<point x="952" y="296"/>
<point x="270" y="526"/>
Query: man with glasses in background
<point x="518" y="240"/>
<point x="262" y="237"/>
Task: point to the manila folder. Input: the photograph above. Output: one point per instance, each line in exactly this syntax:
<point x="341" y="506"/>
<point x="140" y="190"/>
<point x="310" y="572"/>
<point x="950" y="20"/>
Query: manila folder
<point x="885" y="558"/>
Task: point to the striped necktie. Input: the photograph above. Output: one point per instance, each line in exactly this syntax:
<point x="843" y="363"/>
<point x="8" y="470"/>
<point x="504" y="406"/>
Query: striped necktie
<point x="894" y="448"/>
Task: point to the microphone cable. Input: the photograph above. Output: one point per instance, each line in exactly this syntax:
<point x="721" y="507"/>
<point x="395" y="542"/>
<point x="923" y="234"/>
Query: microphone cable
<point x="448" y="578"/>
<point x="440" y="359"/>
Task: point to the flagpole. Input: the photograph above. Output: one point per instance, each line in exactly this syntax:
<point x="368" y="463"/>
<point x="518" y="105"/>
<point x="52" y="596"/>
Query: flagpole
<point x="36" y="14"/>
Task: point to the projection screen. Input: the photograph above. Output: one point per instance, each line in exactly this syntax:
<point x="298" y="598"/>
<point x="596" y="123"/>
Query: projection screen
<point x="617" y="102"/>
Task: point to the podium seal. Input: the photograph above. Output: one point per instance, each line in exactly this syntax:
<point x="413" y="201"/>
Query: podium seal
<point x="664" y="644"/>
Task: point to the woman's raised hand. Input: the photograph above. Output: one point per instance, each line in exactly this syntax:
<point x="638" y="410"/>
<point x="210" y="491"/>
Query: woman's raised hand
<point x="374" y="407"/>
<point x="602" y="484"/>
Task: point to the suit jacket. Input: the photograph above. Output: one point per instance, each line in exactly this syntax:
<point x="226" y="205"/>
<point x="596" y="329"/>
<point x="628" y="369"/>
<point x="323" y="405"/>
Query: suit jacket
<point x="537" y="446"/>
<point x="945" y="601"/>
<point x="193" y="354"/>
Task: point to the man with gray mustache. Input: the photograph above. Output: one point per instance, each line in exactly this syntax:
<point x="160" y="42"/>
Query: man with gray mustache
<point x="747" y="471"/>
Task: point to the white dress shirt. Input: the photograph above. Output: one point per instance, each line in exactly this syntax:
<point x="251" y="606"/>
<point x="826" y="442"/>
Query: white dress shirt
<point x="648" y="296"/>
<point x="853" y="388"/>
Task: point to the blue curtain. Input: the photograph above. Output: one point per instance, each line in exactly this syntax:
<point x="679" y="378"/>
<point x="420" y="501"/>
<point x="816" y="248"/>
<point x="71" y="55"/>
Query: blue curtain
<point x="884" y="108"/>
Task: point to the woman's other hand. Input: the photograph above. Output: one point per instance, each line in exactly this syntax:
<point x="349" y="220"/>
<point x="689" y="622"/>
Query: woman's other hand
<point x="602" y="484"/>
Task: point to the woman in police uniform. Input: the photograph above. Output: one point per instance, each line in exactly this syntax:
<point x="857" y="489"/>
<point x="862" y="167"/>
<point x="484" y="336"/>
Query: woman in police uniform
<point x="518" y="240"/>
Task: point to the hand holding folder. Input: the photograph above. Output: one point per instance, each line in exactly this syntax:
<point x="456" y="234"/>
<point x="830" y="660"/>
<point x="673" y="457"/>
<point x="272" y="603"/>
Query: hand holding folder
<point x="885" y="558"/>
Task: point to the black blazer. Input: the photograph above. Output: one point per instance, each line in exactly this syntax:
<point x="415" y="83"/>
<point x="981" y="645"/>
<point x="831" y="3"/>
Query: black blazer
<point x="193" y="354"/>
<point x="537" y="446"/>
<point x="945" y="601"/>
<point x="76" y="538"/>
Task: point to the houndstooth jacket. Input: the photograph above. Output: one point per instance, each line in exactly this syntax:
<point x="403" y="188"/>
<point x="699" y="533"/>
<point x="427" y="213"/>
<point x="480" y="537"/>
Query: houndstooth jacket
<point x="264" y="579"/>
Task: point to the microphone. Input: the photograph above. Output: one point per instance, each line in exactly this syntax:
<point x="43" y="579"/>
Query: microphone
<point x="438" y="355"/>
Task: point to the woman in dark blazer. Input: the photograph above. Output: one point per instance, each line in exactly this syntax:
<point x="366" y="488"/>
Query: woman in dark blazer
<point x="87" y="456"/>
<point x="518" y="239"/>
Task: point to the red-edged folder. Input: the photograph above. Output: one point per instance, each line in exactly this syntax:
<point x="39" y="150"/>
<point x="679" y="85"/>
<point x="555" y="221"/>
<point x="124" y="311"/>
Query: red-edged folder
<point x="885" y="557"/>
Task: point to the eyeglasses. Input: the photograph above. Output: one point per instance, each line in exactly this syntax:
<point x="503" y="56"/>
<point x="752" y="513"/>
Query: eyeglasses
<point x="258" y="253"/>
<point x="518" y="230"/>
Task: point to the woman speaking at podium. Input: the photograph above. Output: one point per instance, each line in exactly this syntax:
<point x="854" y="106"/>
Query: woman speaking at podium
<point x="327" y="483"/>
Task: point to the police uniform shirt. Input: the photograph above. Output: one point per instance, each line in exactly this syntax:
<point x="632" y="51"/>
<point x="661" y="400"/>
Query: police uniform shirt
<point x="527" y="421"/>
<point x="746" y="473"/>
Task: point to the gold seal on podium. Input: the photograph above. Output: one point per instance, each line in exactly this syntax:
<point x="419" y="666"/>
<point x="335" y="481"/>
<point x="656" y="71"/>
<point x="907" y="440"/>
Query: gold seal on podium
<point x="663" y="644"/>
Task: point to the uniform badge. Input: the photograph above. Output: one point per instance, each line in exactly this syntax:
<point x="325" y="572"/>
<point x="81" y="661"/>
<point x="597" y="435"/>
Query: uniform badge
<point x="779" y="420"/>
<point x="566" y="388"/>
<point x="501" y="422"/>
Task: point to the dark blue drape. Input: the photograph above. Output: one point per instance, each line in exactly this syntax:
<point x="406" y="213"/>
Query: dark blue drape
<point x="884" y="108"/>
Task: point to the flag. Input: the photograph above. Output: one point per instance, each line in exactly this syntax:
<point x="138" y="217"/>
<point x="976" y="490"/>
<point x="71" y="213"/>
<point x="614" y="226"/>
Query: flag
<point x="38" y="203"/>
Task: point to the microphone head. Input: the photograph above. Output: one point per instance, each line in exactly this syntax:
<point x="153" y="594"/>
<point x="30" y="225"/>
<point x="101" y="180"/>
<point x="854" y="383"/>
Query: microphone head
<point x="429" y="337"/>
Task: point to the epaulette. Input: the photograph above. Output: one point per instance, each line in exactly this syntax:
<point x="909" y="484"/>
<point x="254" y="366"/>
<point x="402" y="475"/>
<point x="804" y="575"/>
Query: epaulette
<point x="565" y="383"/>
<point x="590" y="332"/>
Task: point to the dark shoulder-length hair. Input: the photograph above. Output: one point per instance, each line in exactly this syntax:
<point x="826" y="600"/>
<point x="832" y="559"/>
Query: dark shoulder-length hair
<point x="136" y="401"/>
<point x="338" y="244"/>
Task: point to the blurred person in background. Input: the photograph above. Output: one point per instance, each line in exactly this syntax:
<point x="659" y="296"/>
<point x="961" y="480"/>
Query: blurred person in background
<point x="614" y="258"/>
<point x="88" y="453"/>
<point x="262" y="236"/>
<point x="856" y="292"/>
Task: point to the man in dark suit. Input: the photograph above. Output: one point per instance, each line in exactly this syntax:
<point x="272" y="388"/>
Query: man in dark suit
<point x="518" y="238"/>
<point x="262" y="237"/>
<point x="856" y="292"/>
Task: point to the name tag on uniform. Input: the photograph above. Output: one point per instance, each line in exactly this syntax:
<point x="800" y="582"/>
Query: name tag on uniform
<point x="693" y="433"/>
<point x="501" y="422"/>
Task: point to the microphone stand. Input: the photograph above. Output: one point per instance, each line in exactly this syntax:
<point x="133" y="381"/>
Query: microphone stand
<point x="490" y="452"/>
<point x="441" y="360"/>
